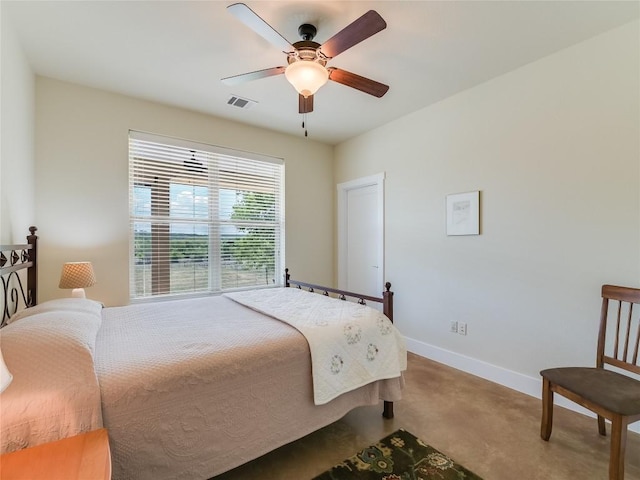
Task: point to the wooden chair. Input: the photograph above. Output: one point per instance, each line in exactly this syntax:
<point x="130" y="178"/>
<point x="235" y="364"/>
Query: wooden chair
<point x="611" y="395"/>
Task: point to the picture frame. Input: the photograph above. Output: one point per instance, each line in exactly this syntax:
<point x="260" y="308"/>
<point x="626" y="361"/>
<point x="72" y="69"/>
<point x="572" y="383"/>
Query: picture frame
<point x="463" y="213"/>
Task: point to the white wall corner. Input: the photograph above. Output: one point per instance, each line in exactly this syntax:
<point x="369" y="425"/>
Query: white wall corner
<point x="507" y="378"/>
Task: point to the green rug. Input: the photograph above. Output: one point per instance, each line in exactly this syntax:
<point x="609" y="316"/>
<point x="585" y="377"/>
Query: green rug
<point x="399" y="456"/>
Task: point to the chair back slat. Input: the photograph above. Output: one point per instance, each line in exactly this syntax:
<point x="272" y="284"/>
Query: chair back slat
<point x="617" y="337"/>
<point x="635" y="353"/>
<point x="621" y="349"/>
<point x="628" y="334"/>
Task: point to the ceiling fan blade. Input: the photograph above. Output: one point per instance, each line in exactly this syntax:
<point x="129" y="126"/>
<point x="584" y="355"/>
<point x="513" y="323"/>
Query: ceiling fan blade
<point x="245" y="77"/>
<point x="252" y="20"/>
<point x="305" y="105"/>
<point x="367" y="25"/>
<point x="363" y="84"/>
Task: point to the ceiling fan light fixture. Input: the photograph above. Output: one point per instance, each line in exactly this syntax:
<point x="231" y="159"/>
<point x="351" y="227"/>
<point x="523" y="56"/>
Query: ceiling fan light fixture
<point x="306" y="76"/>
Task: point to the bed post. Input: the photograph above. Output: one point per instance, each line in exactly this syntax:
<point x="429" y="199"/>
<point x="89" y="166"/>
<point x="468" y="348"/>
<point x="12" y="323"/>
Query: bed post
<point x="286" y="277"/>
<point x="32" y="272"/>
<point x="387" y="301"/>
<point x="387" y="309"/>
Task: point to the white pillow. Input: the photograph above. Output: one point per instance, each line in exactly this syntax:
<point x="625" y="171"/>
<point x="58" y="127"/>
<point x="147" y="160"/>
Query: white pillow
<point x="54" y="393"/>
<point x="5" y="374"/>
<point x="69" y="304"/>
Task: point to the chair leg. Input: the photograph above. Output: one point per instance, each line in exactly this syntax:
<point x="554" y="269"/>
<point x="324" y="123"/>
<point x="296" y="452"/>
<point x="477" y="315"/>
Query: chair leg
<point x="601" y="426"/>
<point x="618" y="447"/>
<point x="547" y="410"/>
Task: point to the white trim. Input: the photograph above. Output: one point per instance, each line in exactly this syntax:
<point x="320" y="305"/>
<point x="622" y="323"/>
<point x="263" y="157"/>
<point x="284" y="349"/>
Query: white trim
<point x="502" y="376"/>
<point x="343" y="188"/>
<point x="205" y="147"/>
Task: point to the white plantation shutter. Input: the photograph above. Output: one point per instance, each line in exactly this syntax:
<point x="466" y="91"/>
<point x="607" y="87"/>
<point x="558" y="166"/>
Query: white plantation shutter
<point x="203" y="219"/>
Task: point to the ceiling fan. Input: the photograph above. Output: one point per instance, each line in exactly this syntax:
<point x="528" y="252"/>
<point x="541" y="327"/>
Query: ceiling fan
<point x="306" y="66"/>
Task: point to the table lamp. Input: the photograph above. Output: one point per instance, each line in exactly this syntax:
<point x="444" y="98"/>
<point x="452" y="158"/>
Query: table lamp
<point x="78" y="276"/>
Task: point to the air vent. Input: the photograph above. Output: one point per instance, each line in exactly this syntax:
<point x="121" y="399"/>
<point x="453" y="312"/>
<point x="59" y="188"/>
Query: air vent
<point x="240" y="102"/>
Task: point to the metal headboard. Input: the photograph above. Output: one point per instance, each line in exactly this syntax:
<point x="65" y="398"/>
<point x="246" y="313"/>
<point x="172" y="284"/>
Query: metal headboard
<point x="16" y="294"/>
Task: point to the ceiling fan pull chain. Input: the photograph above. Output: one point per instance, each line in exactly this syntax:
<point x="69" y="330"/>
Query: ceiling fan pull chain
<point x="304" y="123"/>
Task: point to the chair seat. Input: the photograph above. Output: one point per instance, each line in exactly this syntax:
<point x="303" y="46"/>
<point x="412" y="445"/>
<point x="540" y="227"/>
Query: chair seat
<point x="616" y="392"/>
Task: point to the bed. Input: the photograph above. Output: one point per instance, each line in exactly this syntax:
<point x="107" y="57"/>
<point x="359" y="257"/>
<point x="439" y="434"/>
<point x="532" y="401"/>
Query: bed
<point x="189" y="389"/>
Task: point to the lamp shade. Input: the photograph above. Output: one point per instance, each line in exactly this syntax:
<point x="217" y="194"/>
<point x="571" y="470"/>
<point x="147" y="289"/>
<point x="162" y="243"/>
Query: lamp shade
<point x="5" y="375"/>
<point x="77" y="275"/>
<point x="306" y="76"/>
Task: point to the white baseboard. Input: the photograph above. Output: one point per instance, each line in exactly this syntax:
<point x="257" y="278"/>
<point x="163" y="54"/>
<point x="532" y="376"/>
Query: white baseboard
<point x="508" y="378"/>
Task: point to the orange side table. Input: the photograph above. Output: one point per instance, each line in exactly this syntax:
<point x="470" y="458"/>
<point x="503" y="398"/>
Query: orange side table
<point x="82" y="457"/>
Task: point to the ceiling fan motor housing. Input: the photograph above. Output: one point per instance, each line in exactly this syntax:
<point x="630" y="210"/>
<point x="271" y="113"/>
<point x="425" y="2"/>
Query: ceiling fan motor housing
<point x="307" y="31"/>
<point x="308" y="51"/>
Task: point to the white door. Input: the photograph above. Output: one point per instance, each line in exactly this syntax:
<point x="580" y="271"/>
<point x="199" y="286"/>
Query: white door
<point x="361" y="235"/>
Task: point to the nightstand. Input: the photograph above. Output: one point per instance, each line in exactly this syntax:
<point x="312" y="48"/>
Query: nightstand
<point x="85" y="456"/>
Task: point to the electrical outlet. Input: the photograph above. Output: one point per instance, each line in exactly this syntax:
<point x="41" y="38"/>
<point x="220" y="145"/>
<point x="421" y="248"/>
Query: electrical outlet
<point x="462" y="328"/>
<point x="454" y="327"/>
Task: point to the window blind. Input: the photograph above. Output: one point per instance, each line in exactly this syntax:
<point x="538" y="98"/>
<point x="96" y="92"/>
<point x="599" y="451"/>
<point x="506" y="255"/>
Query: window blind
<point x="203" y="219"/>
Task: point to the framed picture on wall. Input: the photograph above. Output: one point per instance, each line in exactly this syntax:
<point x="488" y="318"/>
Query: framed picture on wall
<point x="463" y="213"/>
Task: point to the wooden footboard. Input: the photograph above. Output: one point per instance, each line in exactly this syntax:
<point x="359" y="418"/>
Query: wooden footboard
<point x="386" y="300"/>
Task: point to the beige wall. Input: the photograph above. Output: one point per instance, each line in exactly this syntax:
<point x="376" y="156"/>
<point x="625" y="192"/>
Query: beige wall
<point x="82" y="182"/>
<point x="554" y="149"/>
<point x="17" y="97"/>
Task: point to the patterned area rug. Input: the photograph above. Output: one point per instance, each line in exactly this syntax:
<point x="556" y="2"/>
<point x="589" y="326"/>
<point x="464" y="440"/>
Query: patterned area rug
<point x="399" y="456"/>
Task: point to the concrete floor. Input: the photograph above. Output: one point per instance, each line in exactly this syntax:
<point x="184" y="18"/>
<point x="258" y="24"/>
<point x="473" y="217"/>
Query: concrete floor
<point x="490" y="429"/>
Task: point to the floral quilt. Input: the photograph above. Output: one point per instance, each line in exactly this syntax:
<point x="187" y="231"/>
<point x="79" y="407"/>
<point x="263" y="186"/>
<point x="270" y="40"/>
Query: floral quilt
<point x="351" y="344"/>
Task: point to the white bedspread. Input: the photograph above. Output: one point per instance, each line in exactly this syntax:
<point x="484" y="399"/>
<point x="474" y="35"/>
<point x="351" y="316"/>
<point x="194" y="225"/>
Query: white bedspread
<point x="55" y="392"/>
<point x="351" y="344"/>
<point x="193" y="388"/>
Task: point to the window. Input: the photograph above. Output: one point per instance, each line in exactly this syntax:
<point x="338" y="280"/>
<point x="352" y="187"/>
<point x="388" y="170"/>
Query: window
<point x="203" y="219"/>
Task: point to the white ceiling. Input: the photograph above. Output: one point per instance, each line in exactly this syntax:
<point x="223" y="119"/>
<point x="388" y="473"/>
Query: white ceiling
<point x="176" y="52"/>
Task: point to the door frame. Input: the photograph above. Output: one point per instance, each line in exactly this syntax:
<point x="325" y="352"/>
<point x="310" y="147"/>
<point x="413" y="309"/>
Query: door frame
<point x="376" y="180"/>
